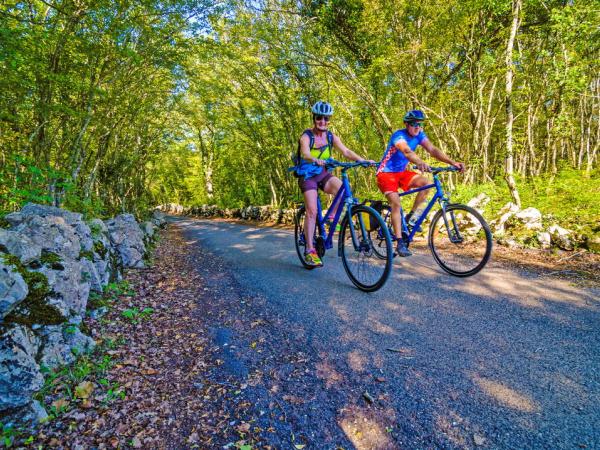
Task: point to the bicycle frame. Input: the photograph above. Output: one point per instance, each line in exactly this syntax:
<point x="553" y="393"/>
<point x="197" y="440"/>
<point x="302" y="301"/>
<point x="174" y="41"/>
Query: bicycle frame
<point x="439" y="196"/>
<point x="345" y="193"/>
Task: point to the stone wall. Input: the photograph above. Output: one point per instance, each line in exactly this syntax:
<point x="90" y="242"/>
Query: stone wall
<point x="511" y="226"/>
<point x="50" y="261"/>
<point x="256" y="213"/>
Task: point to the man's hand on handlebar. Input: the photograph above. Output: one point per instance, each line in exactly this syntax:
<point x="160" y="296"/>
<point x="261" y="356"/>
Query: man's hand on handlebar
<point x="423" y="167"/>
<point x="460" y="166"/>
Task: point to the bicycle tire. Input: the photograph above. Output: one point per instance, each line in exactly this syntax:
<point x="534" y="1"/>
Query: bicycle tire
<point x="378" y="235"/>
<point x="467" y="249"/>
<point x="367" y="271"/>
<point x="299" y="240"/>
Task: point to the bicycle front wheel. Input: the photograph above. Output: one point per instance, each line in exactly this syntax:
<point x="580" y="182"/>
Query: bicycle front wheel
<point x="378" y="235"/>
<point x="460" y="240"/>
<point x="366" y="268"/>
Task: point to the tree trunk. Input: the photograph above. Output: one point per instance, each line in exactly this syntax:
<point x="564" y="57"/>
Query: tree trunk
<point x="509" y="162"/>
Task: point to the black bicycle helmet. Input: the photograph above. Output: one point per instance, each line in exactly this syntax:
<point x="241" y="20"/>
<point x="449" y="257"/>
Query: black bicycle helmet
<point x="414" y="115"/>
<point x="322" y="109"/>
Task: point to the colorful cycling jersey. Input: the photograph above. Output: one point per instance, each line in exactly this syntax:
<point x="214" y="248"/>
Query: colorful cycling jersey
<point x="307" y="168"/>
<point x="394" y="160"/>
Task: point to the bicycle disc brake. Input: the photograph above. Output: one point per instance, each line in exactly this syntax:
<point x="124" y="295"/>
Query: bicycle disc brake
<point x="320" y="246"/>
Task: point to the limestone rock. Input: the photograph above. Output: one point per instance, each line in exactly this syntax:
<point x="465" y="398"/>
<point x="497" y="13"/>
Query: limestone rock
<point x="105" y="257"/>
<point x="560" y="237"/>
<point x="544" y="239"/>
<point x="128" y="239"/>
<point x="479" y="202"/>
<point x="60" y="344"/>
<point x="69" y="287"/>
<point x="13" y="289"/>
<point x="148" y="228"/>
<point x="159" y="218"/>
<point x="20" y="245"/>
<point x="506" y="212"/>
<point x="531" y="218"/>
<point x="20" y="375"/>
<point x="52" y="234"/>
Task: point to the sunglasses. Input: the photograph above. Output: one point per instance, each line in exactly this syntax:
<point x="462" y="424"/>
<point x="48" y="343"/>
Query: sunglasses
<point x="325" y="118"/>
<point x="416" y="124"/>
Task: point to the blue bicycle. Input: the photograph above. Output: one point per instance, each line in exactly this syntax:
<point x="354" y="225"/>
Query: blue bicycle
<point x="459" y="238"/>
<point x="366" y="268"/>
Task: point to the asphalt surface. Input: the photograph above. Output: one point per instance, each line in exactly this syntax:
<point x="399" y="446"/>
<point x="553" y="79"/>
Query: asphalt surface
<point x="503" y="359"/>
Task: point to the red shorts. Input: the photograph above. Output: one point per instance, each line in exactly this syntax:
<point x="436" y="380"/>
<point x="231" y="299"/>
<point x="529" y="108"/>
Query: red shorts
<point x="391" y="181"/>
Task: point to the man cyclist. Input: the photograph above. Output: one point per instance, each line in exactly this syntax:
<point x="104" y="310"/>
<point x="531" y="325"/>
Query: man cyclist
<point x="316" y="145"/>
<point x="392" y="173"/>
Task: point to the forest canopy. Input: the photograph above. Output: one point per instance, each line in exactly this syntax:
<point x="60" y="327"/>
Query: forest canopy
<point x="112" y="106"/>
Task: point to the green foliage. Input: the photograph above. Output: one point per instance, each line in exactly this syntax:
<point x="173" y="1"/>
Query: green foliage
<point x="10" y="434"/>
<point x="111" y="293"/>
<point x="570" y="196"/>
<point x="67" y="380"/>
<point x="135" y="315"/>
<point x="113" y="111"/>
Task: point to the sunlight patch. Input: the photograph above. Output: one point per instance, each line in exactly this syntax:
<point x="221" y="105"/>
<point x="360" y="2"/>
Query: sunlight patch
<point x="506" y="396"/>
<point x="363" y="431"/>
<point x="357" y="361"/>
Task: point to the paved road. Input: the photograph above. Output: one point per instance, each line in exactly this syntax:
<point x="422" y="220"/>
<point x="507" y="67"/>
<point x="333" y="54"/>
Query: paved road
<point x="504" y="359"/>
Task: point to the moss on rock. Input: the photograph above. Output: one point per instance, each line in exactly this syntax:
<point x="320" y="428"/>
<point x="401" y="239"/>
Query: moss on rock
<point x="100" y="249"/>
<point x="34" y="308"/>
<point x="87" y="254"/>
<point x="52" y="260"/>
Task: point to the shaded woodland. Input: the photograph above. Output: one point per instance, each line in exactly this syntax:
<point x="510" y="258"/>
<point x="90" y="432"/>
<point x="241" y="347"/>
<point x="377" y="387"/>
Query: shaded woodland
<point x="109" y="106"/>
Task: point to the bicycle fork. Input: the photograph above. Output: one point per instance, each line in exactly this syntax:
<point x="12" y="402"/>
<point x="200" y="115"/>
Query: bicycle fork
<point x="358" y="244"/>
<point x="453" y="231"/>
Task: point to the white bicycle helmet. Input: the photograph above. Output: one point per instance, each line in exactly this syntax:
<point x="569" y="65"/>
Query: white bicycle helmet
<point x="322" y="109"/>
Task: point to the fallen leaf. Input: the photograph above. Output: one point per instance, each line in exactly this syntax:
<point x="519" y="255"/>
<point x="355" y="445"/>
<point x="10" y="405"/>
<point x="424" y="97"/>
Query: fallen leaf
<point x="136" y="443"/>
<point x="150" y="372"/>
<point x="243" y="427"/>
<point x="300" y="446"/>
<point x="368" y="397"/>
<point x="84" y="389"/>
<point x="380" y="379"/>
<point x="478" y="440"/>
<point x="60" y="403"/>
<point x="293" y="399"/>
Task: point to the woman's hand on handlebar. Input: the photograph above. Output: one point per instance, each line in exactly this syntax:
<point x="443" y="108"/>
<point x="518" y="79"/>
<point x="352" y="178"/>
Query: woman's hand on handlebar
<point x="320" y="162"/>
<point x="367" y="162"/>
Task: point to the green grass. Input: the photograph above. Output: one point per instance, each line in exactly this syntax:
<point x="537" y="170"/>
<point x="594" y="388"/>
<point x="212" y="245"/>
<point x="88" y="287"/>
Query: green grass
<point x="570" y="197"/>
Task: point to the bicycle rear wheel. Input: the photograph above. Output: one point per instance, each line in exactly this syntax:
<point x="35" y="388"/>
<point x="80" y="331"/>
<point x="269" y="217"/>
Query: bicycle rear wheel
<point x="460" y="240"/>
<point x="365" y="268"/>
<point x="299" y="239"/>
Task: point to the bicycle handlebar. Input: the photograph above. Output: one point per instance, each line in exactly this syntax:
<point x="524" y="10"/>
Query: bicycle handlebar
<point x="332" y="164"/>
<point x="436" y="170"/>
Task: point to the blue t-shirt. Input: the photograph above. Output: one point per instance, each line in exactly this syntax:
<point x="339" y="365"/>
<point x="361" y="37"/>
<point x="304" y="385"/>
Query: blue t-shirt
<point x="397" y="161"/>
